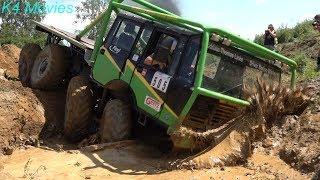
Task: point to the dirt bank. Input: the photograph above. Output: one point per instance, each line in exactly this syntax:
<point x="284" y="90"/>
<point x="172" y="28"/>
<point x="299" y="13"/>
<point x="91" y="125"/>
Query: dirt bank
<point x="25" y="114"/>
<point x="21" y="114"/>
<point x="9" y="57"/>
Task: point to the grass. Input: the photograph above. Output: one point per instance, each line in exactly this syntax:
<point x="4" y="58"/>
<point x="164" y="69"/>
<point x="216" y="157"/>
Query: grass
<point x="307" y="67"/>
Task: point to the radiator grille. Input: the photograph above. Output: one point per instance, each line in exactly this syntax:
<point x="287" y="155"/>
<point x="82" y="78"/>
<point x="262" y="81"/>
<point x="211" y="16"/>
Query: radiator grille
<point x="208" y="113"/>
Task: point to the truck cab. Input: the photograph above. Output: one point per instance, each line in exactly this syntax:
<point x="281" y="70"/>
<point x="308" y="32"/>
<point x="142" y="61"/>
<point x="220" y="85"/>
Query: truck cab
<point x="160" y="63"/>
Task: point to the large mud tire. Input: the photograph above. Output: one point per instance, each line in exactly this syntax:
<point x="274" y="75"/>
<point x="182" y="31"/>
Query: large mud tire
<point x="116" y="121"/>
<point x="27" y="57"/>
<point x="78" y="109"/>
<point x="49" y="68"/>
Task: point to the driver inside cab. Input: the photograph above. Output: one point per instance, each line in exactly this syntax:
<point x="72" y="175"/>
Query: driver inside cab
<point x="162" y="57"/>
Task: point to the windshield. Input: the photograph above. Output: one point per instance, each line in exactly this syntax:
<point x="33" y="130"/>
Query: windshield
<point x="228" y="69"/>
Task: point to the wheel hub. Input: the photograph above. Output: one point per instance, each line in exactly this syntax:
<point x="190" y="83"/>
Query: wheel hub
<point x="42" y="67"/>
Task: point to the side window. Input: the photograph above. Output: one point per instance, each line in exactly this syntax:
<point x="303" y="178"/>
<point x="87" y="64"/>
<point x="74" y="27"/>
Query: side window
<point x="189" y="61"/>
<point x="158" y="60"/>
<point x="162" y="57"/>
<point x="141" y="45"/>
<point x="112" y="32"/>
<point x="126" y="35"/>
<point x="121" y="40"/>
<point x="211" y="67"/>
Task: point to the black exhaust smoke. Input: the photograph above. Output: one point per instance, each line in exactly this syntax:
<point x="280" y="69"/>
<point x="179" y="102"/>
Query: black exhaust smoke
<point x="170" y="5"/>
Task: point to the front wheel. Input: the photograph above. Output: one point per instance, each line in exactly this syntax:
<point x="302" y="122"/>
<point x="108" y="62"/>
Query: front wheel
<point x="78" y="110"/>
<point x="116" y="121"/>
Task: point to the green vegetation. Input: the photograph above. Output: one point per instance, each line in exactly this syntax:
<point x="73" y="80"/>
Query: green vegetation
<point x="285" y="34"/>
<point x="88" y="10"/>
<point x="301" y="60"/>
<point x="296" y="38"/>
<point x="17" y="28"/>
<point x="306" y="66"/>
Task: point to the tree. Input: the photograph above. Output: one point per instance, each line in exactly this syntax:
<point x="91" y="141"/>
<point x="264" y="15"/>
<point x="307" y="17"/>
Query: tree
<point x="16" y="21"/>
<point x="88" y="10"/>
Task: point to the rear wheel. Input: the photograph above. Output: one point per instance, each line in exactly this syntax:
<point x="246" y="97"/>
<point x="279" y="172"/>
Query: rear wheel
<point x="116" y="121"/>
<point x="78" y="111"/>
<point x="27" y="57"/>
<point x="50" y="67"/>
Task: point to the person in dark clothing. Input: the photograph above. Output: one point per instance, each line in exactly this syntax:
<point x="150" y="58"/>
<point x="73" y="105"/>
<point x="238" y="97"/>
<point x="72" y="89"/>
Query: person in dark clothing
<point x="316" y="26"/>
<point x="162" y="58"/>
<point x="270" y="38"/>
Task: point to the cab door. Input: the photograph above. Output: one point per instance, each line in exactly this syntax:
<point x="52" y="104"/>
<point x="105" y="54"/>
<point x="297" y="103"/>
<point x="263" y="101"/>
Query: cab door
<point x="151" y="79"/>
<point x="116" y="50"/>
<point x="148" y="99"/>
<point x="180" y="87"/>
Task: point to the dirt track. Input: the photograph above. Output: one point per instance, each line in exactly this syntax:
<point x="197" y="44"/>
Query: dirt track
<point x="135" y="161"/>
<point x="27" y="114"/>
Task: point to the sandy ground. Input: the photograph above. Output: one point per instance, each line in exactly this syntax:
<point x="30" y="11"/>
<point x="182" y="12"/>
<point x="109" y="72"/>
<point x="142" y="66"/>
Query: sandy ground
<point x="132" y="162"/>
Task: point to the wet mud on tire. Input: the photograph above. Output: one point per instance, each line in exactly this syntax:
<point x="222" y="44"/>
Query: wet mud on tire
<point x="27" y="57"/>
<point x="78" y="110"/>
<point x="116" y="122"/>
<point x="49" y="67"/>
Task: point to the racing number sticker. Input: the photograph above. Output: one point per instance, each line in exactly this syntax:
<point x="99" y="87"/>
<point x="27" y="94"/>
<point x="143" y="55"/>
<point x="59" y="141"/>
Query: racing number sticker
<point x="160" y="81"/>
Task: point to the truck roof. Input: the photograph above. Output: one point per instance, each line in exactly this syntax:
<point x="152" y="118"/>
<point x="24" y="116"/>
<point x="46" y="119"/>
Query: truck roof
<point x="164" y="25"/>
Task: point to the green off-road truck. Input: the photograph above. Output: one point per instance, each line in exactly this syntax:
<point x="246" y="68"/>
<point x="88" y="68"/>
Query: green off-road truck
<point x="150" y="73"/>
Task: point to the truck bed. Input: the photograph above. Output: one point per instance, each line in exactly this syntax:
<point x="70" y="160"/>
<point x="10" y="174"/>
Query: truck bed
<point x="83" y="43"/>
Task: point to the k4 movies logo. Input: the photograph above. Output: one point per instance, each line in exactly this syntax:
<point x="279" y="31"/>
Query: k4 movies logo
<point x="35" y="7"/>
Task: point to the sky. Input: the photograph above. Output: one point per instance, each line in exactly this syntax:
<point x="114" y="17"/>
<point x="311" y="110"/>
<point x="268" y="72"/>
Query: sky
<point x="242" y="17"/>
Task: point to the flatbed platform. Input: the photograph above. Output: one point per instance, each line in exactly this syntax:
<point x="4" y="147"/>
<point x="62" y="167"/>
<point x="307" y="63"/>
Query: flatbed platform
<point x="83" y="43"/>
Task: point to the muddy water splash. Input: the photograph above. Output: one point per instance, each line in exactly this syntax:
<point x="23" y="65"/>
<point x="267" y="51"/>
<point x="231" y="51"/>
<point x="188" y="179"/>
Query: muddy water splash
<point x="231" y="144"/>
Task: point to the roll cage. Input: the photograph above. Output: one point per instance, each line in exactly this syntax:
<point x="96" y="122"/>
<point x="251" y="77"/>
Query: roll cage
<point x="157" y="14"/>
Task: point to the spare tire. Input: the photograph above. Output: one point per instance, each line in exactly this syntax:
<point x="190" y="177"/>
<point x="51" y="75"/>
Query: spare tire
<point x="78" y="110"/>
<point x="27" y="57"/>
<point x="50" y="67"/>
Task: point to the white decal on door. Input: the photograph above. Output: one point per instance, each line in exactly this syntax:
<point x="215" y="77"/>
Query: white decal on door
<point x="114" y="49"/>
<point x="160" y="81"/>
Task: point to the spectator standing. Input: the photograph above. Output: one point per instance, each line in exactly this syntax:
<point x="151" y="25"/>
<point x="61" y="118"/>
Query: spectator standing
<point x="270" y="38"/>
<point x="316" y="26"/>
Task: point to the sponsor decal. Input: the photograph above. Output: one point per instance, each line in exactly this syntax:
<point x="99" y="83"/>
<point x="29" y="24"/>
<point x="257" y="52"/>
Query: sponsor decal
<point x="226" y="52"/>
<point x="152" y="103"/>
